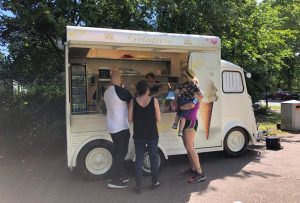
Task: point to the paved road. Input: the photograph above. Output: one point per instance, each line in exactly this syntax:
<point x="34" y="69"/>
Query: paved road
<point x="39" y="174"/>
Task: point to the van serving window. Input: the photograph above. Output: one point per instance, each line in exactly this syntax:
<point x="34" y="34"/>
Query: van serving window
<point x="232" y="82"/>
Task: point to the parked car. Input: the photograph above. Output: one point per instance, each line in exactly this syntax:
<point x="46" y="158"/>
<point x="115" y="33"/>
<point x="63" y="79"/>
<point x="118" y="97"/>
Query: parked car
<point x="263" y="95"/>
<point x="295" y="95"/>
<point x="282" y="95"/>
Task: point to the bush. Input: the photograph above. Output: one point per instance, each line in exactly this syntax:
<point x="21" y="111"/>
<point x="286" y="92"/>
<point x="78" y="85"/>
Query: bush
<point x="262" y="110"/>
<point x="30" y="99"/>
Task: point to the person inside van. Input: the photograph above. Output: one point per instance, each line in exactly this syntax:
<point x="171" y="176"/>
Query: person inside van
<point x="153" y="83"/>
<point x="144" y="112"/>
<point x="187" y="92"/>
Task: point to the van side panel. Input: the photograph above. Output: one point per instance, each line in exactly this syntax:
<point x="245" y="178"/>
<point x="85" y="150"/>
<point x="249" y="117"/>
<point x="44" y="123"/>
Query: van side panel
<point x="206" y="66"/>
<point x="236" y="104"/>
<point x="83" y="129"/>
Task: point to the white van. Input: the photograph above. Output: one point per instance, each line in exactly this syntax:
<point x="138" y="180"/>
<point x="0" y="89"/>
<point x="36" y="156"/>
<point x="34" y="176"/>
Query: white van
<point x="226" y="122"/>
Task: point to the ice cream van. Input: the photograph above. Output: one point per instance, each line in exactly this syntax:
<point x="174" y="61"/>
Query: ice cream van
<point x="226" y="118"/>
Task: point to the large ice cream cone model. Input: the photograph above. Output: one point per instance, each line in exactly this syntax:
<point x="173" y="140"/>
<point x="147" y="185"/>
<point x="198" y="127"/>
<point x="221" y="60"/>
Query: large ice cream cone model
<point x="205" y="113"/>
<point x="206" y="106"/>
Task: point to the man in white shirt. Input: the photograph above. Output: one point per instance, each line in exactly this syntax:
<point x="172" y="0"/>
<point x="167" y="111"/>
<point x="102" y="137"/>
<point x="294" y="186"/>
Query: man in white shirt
<point x="116" y="100"/>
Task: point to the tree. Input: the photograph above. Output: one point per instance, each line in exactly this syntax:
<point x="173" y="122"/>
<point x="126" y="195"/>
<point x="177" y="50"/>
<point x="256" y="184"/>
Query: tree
<point x="31" y="37"/>
<point x="261" y="38"/>
<point x="257" y="42"/>
<point x="289" y="11"/>
<point x="31" y="33"/>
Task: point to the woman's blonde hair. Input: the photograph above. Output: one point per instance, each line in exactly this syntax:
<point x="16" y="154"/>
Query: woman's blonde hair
<point x="189" y="73"/>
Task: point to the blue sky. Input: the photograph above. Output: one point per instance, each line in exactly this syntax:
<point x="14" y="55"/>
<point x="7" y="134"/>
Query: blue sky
<point x="7" y="13"/>
<point x="3" y="49"/>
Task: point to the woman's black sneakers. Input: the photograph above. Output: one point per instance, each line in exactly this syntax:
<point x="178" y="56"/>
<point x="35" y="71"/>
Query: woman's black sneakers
<point x="138" y="190"/>
<point x="156" y="185"/>
<point x="124" y="179"/>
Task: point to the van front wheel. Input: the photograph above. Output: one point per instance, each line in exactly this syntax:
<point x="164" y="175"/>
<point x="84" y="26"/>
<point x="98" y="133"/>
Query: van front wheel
<point x="236" y="142"/>
<point x="95" y="159"/>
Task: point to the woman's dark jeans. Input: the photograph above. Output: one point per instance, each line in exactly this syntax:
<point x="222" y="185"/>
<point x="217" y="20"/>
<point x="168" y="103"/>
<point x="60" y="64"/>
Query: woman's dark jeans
<point x="151" y="146"/>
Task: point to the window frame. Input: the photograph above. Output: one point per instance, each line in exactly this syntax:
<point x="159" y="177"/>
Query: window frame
<point x="243" y="86"/>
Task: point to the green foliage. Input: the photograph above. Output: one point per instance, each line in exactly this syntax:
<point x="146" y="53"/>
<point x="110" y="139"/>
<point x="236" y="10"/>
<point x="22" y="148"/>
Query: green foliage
<point x="31" y="37"/>
<point x="31" y="98"/>
<point x="259" y="45"/>
<point x="256" y="37"/>
<point x="262" y="110"/>
<point x="122" y="14"/>
<point x="268" y="117"/>
<point x="32" y="32"/>
<point x="261" y="38"/>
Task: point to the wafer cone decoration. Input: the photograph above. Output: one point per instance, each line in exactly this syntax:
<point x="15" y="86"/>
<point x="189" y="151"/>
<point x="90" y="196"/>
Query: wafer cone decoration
<point x="207" y="104"/>
<point x="205" y="113"/>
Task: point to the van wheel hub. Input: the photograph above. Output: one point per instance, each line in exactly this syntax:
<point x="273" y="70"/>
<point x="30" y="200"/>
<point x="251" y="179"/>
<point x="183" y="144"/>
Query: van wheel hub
<point x="98" y="160"/>
<point x="236" y="141"/>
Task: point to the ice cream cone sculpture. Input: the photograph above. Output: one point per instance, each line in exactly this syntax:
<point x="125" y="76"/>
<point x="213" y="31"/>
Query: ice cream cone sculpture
<point x="205" y="112"/>
<point x="206" y="106"/>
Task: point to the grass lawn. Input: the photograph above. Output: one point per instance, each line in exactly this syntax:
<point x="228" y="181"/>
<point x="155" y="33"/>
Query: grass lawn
<point x="275" y="108"/>
<point x="268" y="120"/>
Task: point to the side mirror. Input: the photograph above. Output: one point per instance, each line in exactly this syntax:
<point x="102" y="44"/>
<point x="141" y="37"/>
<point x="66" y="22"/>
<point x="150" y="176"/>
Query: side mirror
<point x="59" y="43"/>
<point x="248" y="75"/>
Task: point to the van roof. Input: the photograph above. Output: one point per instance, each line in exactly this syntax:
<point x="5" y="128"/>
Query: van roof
<point x="227" y="64"/>
<point x="88" y="37"/>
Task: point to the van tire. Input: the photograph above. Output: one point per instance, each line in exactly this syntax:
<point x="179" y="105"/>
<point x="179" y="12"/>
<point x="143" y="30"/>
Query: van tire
<point x="146" y="162"/>
<point x="95" y="159"/>
<point x="236" y="142"/>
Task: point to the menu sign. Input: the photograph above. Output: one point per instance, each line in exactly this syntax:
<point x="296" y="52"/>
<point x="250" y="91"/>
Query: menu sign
<point x="104" y="74"/>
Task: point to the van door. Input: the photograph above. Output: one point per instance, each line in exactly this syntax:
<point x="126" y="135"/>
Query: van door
<point x="207" y="68"/>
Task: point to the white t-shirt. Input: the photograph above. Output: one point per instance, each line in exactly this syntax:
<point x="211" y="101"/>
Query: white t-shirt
<point x="116" y="100"/>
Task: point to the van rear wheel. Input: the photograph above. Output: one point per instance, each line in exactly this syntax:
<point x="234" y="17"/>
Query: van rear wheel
<point x="95" y="159"/>
<point x="146" y="162"/>
<point x="236" y="142"/>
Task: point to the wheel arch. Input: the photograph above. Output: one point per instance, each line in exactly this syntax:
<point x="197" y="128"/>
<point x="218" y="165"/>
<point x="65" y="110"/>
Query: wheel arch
<point x="84" y="143"/>
<point x="163" y="150"/>
<point x="235" y="124"/>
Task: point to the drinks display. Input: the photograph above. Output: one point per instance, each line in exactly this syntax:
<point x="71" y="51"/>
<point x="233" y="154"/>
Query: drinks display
<point x="78" y="85"/>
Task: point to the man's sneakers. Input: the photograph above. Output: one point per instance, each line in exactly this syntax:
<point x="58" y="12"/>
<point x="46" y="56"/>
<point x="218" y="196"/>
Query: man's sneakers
<point x="188" y="172"/>
<point x="198" y="177"/>
<point x="117" y="184"/>
<point x="124" y="179"/>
